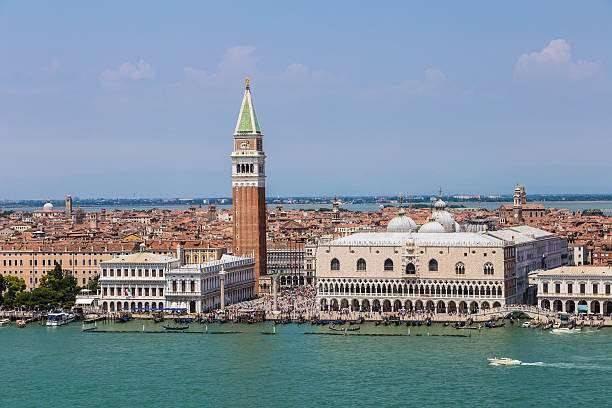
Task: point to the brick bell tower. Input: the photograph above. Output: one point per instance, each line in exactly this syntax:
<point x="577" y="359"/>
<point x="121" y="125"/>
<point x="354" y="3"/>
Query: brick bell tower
<point x="249" y="186"/>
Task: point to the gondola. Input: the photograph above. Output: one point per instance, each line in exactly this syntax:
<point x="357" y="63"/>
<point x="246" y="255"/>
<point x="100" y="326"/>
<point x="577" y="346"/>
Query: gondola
<point x="347" y="329"/>
<point x="176" y="328"/>
<point x="124" y="318"/>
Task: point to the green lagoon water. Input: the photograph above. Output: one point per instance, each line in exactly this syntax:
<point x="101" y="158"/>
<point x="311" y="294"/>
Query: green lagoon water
<point x="64" y="367"/>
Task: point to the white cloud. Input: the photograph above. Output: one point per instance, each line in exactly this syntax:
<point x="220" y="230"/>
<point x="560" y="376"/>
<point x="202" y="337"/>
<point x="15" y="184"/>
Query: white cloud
<point x="555" y="61"/>
<point x="301" y="72"/>
<point x="432" y="82"/>
<point x="129" y="71"/>
<point x="237" y="62"/>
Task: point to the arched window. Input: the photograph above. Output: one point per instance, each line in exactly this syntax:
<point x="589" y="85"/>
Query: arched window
<point x="410" y="269"/>
<point x="361" y="264"/>
<point x="388" y="265"/>
<point x="460" y="268"/>
<point x="335" y="264"/>
<point x="488" y="268"/>
<point x="433" y="265"/>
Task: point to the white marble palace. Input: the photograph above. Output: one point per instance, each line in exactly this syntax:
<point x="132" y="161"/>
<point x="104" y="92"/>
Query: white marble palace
<point x="434" y="267"/>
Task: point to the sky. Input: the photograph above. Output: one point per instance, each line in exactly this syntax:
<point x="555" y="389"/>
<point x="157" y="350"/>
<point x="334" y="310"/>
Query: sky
<point x="140" y="98"/>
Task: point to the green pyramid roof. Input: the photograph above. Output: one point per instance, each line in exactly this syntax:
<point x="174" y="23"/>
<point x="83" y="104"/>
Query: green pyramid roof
<point x="247" y="119"/>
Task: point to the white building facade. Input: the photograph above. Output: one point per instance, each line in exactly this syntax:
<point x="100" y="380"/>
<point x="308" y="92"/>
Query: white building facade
<point x="434" y="267"/>
<point x="573" y="289"/>
<point x="134" y="282"/>
<point x="197" y="288"/>
<point x="536" y="249"/>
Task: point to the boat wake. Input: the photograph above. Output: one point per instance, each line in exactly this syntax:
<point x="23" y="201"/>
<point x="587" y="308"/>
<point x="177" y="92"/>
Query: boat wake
<point x="570" y="366"/>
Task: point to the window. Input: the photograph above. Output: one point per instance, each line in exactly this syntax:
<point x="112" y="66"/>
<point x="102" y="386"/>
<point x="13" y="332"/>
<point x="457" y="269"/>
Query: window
<point x="193" y="286"/>
<point x="335" y="264"/>
<point x="182" y="286"/>
<point x="410" y="269"/>
<point x="388" y="265"/>
<point x="174" y="286"/>
<point x="545" y="287"/>
<point x="161" y="273"/>
<point x="488" y="268"/>
<point x="595" y="288"/>
<point x="582" y="288"/>
<point x="557" y="288"/>
<point x="433" y="265"/>
<point x="103" y="272"/>
<point x="161" y="292"/>
<point x="361" y="264"/>
<point x="570" y="288"/>
<point x="460" y="268"/>
<point x="607" y="289"/>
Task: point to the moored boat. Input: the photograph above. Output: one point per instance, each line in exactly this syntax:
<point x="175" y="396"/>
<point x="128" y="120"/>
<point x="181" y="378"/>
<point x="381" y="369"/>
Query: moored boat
<point x="59" y="319"/>
<point x="5" y="322"/>
<point x="21" y="323"/>
<point x="176" y="328"/>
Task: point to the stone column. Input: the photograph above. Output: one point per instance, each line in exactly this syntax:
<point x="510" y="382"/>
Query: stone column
<point x="222" y="288"/>
<point x="274" y="293"/>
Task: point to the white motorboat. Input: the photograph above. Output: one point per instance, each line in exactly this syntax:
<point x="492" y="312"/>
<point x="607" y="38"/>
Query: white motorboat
<point x="59" y="318"/>
<point x="5" y="322"/>
<point x="563" y="330"/>
<point x="526" y="325"/>
<point x="504" y="361"/>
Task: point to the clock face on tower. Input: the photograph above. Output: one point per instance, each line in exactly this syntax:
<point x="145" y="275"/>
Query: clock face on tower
<point x="244" y="144"/>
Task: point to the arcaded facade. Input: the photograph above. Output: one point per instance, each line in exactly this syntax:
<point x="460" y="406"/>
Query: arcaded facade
<point x="445" y="272"/>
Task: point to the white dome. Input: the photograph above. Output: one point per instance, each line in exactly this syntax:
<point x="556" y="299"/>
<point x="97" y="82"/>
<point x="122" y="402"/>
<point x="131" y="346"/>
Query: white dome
<point x="432" y="227"/>
<point x="446" y="219"/>
<point x="401" y="223"/>
<point x="48" y="207"/>
<point x="440" y="205"/>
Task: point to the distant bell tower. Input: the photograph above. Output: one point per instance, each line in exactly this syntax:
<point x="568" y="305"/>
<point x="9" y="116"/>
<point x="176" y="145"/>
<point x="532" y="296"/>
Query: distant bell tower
<point x="249" y="186"/>
<point x="68" y="206"/>
<point x="517" y="205"/>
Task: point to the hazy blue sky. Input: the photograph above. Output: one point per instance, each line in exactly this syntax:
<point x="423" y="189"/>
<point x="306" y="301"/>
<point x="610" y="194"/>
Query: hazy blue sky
<point x="140" y="98"/>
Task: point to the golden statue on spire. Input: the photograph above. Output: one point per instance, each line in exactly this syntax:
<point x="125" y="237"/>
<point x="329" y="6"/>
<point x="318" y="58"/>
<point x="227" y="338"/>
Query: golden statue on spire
<point x="247" y="82"/>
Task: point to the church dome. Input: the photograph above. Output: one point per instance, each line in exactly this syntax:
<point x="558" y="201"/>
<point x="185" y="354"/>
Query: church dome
<point x="446" y="219"/>
<point x="432" y="227"/>
<point x="48" y="207"/>
<point x="439" y="205"/>
<point x="401" y="223"/>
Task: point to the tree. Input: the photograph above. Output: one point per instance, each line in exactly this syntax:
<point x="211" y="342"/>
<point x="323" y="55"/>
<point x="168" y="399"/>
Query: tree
<point x="94" y="284"/>
<point x="2" y="287"/>
<point x="60" y="289"/>
<point x="13" y="286"/>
